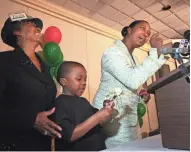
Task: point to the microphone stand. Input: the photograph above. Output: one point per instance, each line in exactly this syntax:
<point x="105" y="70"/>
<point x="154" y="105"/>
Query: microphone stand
<point x="183" y="67"/>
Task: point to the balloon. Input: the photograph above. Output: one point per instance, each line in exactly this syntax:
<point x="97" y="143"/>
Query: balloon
<point x="61" y="58"/>
<point x="57" y="64"/>
<point x="40" y="53"/>
<point x="141" y="109"/>
<point x="51" y="52"/>
<point x="56" y="69"/>
<point x="52" y="72"/>
<point x="52" y="34"/>
<point x="140" y="121"/>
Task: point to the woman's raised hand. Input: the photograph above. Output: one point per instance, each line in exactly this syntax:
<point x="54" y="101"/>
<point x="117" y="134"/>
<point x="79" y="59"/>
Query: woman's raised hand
<point x="156" y="42"/>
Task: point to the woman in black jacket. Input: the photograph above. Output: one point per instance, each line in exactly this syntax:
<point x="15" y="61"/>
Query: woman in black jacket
<point x="26" y="88"/>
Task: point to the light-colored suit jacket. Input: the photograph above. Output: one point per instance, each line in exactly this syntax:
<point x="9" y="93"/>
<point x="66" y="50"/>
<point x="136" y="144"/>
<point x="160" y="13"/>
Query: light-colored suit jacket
<point x="119" y="71"/>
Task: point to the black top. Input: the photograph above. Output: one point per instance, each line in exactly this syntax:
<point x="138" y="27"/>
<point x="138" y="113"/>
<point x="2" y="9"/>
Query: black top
<point x="24" y="92"/>
<point x="71" y="111"/>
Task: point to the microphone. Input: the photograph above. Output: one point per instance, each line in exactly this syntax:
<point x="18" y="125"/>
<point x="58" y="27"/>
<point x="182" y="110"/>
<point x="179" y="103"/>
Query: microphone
<point x="185" y="43"/>
<point x="166" y="51"/>
<point x="187" y="35"/>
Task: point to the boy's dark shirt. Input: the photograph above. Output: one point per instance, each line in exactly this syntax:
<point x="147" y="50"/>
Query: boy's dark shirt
<point x="70" y="112"/>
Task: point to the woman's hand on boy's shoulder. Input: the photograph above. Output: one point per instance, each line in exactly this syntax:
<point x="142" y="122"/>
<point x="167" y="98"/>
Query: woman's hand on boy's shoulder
<point x="45" y="126"/>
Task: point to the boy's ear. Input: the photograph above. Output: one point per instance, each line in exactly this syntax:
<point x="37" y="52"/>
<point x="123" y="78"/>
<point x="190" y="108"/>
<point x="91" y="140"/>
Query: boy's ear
<point x="63" y="81"/>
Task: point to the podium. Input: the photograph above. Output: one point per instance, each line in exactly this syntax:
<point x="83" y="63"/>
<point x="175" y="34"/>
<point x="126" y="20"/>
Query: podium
<point x="172" y="94"/>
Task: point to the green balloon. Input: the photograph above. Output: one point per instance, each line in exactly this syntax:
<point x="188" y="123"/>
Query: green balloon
<point x="61" y="58"/>
<point x="52" y="71"/>
<point x="40" y="53"/>
<point x="56" y="69"/>
<point x="141" y="109"/>
<point x="140" y="121"/>
<point x="51" y="52"/>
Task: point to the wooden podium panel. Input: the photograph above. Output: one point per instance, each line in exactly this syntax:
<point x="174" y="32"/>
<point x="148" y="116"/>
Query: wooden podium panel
<point x="173" y="105"/>
<point x="172" y="93"/>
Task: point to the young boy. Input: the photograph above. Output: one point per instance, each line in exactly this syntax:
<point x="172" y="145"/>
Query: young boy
<point x="80" y="122"/>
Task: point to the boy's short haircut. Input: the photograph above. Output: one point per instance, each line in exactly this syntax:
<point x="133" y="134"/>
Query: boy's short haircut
<point x="65" y="68"/>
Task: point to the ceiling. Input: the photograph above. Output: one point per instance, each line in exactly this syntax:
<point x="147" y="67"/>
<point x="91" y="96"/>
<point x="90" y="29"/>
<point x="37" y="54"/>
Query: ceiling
<point x="119" y="13"/>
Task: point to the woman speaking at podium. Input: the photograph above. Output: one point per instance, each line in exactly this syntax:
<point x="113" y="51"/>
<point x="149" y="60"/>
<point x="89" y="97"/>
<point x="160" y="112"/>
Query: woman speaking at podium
<point x="120" y="69"/>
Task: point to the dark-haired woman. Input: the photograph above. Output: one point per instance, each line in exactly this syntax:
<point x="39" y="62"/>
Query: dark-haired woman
<point x="27" y="90"/>
<point x="120" y="70"/>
